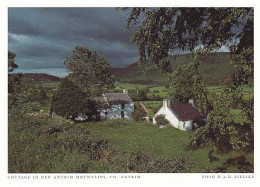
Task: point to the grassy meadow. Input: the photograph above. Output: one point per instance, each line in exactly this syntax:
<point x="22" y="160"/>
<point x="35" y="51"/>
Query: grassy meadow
<point x="168" y="142"/>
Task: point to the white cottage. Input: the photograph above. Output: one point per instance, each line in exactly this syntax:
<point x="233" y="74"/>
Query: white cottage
<point x="116" y="106"/>
<point x="180" y="116"/>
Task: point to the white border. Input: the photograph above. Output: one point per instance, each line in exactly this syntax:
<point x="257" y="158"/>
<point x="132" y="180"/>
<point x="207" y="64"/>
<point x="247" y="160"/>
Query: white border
<point x="146" y="179"/>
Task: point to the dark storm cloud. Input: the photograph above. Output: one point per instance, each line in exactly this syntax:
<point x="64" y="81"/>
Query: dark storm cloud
<point x="48" y="35"/>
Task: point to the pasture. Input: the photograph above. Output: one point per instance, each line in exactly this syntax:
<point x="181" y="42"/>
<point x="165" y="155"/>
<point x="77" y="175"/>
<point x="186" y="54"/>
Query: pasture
<point x="168" y="142"/>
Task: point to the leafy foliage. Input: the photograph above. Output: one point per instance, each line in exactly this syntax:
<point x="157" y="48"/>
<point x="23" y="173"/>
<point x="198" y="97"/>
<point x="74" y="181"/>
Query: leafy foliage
<point x="139" y="94"/>
<point x="139" y="113"/>
<point x="11" y="64"/>
<point x="239" y="162"/>
<point x="89" y="71"/>
<point x="70" y="101"/>
<point x="52" y="147"/>
<point x="165" y="30"/>
<point x="202" y="30"/>
<point x="161" y="120"/>
<point x="222" y="130"/>
<point x="186" y="83"/>
<point x="142" y="163"/>
<point x="39" y="95"/>
<point x="14" y="83"/>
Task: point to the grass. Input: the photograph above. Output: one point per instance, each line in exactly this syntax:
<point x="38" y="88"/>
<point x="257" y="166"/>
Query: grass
<point x="248" y="92"/>
<point x="163" y="92"/>
<point x="169" y="142"/>
<point x="151" y="106"/>
<point x="152" y="88"/>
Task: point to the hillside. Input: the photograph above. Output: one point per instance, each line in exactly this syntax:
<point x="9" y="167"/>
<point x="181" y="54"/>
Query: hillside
<point x="215" y="69"/>
<point x="32" y="77"/>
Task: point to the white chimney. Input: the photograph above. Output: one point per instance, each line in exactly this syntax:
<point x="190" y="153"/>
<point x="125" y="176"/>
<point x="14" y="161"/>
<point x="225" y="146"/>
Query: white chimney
<point x="166" y="103"/>
<point x="191" y="101"/>
<point x="125" y="91"/>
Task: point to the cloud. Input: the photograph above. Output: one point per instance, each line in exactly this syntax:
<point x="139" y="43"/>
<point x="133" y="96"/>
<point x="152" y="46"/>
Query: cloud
<point x="44" y="37"/>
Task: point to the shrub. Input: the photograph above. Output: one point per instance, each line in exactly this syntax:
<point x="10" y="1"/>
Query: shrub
<point x="70" y="101"/>
<point x="137" y="162"/>
<point x="161" y="120"/>
<point x="38" y="95"/>
<point x="42" y="145"/>
<point x="139" y="113"/>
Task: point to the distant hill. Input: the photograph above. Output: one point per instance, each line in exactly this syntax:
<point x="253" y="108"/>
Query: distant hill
<point x="31" y="77"/>
<point x="215" y="69"/>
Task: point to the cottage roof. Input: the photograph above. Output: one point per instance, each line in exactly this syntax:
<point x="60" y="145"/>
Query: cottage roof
<point x="186" y="111"/>
<point x="118" y="98"/>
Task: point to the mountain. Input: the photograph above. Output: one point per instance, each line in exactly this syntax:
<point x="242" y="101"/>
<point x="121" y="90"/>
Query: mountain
<point x="215" y="69"/>
<point x="32" y="77"/>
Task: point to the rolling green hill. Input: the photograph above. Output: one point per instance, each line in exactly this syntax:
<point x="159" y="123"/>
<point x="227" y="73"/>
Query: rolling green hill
<point x="215" y="69"/>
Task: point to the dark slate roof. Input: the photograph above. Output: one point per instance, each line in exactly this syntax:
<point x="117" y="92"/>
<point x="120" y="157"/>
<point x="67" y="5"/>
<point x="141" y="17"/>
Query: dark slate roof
<point x="118" y="98"/>
<point x="186" y="111"/>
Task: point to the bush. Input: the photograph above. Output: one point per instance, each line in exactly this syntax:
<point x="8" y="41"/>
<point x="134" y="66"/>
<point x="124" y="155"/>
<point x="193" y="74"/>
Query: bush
<point x="38" y="95"/>
<point x="70" y="101"/>
<point x="139" y="113"/>
<point x="42" y="145"/>
<point x="137" y="162"/>
<point x="14" y="83"/>
<point x="139" y="94"/>
<point x="161" y="120"/>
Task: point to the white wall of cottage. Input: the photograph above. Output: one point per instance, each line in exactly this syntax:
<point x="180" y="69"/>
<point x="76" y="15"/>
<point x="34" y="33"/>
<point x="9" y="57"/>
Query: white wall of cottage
<point x="114" y="112"/>
<point x="172" y="117"/>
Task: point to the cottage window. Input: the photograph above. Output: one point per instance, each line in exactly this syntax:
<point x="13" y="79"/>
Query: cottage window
<point x="122" y="106"/>
<point x="122" y="114"/>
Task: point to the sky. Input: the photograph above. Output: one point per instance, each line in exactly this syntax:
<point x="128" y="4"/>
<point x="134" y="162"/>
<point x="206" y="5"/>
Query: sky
<point x="45" y="37"/>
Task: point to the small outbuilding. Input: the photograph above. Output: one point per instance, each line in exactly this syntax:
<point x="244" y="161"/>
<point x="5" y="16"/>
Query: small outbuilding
<point x="181" y="116"/>
<point x="116" y="105"/>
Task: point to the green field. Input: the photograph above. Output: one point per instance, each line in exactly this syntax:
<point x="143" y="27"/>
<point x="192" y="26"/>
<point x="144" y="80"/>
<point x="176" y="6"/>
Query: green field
<point x="163" y="92"/>
<point x="169" y="142"/>
<point x="151" y="106"/>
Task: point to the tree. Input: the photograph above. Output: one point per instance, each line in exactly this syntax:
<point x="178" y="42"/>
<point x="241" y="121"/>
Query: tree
<point x="139" y="113"/>
<point x="142" y="94"/>
<point x="38" y="95"/>
<point x="165" y="30"/>
<point x="161" y="120"/>
<point x="201" y="31"/>
<point x="89" y="71"/>
<point x="182" y="84"/>
<point x="186" y="82"/>
<point x="14" y="82"/>
<point x="70" y="101"/>
<point x="223" y="130"/>
<point x="11" y="63"/>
